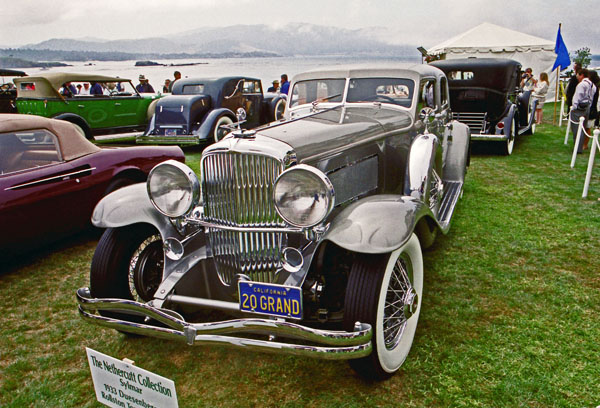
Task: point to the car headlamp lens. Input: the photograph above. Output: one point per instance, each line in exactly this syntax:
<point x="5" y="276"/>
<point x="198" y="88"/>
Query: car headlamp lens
<point x="173" y="188"/>
<point x="304" y="196"/>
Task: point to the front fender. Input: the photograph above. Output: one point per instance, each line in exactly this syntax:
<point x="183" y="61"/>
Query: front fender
<point x="457" y="153"/>
<point x="421" y="159"/>
<point x="377" y="224"/>
<point x="130" y="205"/>
<point x="204" y="131"/>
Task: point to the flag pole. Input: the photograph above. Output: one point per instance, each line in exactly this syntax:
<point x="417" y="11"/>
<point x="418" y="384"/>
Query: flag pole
<point x="556" y="92"/>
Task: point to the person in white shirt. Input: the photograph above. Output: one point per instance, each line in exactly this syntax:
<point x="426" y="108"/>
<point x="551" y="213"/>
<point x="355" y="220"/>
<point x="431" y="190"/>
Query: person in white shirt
<point x="582" y="101"/>
<point x="539" y="94"/>
<point x="86" y="89"/>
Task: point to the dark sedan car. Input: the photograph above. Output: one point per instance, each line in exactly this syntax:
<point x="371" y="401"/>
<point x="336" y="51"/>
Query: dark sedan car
<point x="485" y="95"/>
<point x="51" y="178"/>
<point x="203" y="110"/>
<point x="8" y="91"/>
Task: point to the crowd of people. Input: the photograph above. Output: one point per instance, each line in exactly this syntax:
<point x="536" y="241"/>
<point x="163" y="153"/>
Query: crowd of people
<point x="582" y="100"/>
<point x="144" y="86"/>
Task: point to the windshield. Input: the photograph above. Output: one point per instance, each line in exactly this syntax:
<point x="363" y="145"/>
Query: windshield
<point x="318" y="90"/>
<point x="398" y="91"/>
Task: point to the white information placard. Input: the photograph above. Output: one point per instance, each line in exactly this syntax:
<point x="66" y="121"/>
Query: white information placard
<point x="119" y="384"/>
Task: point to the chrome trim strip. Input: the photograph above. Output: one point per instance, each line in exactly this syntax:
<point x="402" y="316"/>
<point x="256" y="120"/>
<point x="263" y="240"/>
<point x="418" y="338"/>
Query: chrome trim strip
<point x="344" y="345"/>
<point x="62" y="176"/>
<point x="179" y="139"/>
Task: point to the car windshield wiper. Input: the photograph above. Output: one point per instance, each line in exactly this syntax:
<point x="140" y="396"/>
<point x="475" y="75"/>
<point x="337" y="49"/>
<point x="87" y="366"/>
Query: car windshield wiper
<point x="325" y="99"/>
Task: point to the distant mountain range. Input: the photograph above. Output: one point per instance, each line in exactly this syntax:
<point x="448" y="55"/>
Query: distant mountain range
<point x="292" y="39"/>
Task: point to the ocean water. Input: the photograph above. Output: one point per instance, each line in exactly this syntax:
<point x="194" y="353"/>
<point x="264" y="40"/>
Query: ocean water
<point x="266" y="69"/>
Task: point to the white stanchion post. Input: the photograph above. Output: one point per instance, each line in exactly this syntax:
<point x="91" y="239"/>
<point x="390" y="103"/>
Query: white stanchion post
<point x="562" y="109"/>
<point x="579" y="130"/>
<point x="588" y="175"/>
<point x="568" y="128"/>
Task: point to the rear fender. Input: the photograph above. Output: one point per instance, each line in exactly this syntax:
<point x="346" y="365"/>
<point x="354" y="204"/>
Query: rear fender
<point x="457" y="152"/>
<point x="377" y="224"/>
<point x="204" y="131"/>
<point x="131" y="205"/>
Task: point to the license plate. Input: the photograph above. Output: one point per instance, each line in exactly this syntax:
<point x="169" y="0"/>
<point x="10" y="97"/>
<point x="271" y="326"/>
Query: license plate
<point x="269" y="299"/>
<point x="170" y="132"/>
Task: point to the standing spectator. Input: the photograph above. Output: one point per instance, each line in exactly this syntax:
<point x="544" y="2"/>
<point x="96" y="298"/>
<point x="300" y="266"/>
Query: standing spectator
<point x="68" y="90"/>
<point x="96" y="89"/>
<point x="166" y="86"/>
<point x="582" y="101"/>
<point x="86" y="89"/>
<point x="539" y="94"/>
<point x="144" y="86"/>
<point x="527" y="80"/>
<point x="176" y="75"/>
<point x="573" y="81"/>
<point x="285" y="85"/>
<point x="593" y="117"/>
<point x="78" y="89"/>
<point x="275" y="86"/>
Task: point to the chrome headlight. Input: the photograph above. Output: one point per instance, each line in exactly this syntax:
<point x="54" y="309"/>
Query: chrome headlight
<point x="303" y="195"/>
<point x="173" y="188"/>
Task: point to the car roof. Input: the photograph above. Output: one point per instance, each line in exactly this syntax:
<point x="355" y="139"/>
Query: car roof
<point x="11" y="72"/>
<point x="208" y="82"/>
<point x="401" y="70"/>
<point x="494" y="73"/>
<point x="72" y="144"/>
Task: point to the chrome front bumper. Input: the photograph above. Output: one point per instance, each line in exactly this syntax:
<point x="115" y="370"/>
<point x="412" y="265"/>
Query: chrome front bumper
<point x="162" y="139"/>
<point x="334" y="345"/>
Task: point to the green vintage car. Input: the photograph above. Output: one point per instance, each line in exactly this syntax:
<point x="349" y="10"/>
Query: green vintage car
<point x="97" y="104"/>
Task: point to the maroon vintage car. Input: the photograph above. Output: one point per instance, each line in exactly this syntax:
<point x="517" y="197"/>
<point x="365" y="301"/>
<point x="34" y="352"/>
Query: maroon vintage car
<point x="51" y="178"/>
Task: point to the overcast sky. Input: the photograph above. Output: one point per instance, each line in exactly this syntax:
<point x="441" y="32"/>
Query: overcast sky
<point x="416" y="22"/>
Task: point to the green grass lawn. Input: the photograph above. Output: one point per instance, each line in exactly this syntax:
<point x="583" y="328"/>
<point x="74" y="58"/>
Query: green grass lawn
<point x="510" y="313"/>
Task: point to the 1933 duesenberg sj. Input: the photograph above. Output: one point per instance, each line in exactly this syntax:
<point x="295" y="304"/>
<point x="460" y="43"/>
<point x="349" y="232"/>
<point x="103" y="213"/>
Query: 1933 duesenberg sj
<point x="308" y="230"/>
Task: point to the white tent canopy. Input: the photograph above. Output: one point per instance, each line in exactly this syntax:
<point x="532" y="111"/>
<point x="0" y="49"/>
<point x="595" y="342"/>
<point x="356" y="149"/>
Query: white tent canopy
<point x="491" y="41"/>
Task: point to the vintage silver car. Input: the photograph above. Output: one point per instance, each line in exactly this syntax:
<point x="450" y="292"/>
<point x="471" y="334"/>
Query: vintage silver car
<point x="308" y="230"/>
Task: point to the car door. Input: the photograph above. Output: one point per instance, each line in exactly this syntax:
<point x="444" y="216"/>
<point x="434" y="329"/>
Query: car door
<point x="253" y="102"/>
<point x="40" y="199"/>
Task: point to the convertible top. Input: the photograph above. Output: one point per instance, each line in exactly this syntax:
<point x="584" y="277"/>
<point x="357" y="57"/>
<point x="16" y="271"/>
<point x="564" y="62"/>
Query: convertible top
<point x="500" y="74"/>
<point x="49" y="84"/>
<point x="72" y="144"/>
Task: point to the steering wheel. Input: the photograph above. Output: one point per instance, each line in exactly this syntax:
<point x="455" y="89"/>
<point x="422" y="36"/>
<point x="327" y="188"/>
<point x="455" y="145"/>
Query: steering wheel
<point x="4" y="88"/>
<point x="375" y="98"/>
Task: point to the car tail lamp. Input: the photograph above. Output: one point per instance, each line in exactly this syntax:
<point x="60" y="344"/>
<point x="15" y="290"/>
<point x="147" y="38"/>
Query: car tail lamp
<point x="173" y="188"/>
<point x="303" y="195"/>
<point x="500" y="125"/>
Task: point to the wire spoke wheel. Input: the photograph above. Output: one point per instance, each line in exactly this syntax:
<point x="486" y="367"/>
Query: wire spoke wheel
<point x="385" y="291"/>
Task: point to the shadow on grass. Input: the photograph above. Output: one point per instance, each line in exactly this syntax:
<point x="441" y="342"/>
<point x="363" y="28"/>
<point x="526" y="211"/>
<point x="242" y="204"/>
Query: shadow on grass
<point x="10" y="263"/>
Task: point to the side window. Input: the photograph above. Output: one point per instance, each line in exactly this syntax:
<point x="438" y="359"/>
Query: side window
<point x="27" y="150"/>
<point x="444" y="93"/>
<point x="427" y="94"/>
<point x="252" y="87"/>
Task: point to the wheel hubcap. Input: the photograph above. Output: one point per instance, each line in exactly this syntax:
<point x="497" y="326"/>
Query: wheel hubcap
<point x="146" y="268"/>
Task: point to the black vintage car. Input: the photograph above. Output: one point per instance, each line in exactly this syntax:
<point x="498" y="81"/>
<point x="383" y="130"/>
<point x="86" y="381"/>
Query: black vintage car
<point x="485" y="95"/>
<point x="200" y="110"/>
<point x="308" y="230"/>
<point x="8" y="91"/>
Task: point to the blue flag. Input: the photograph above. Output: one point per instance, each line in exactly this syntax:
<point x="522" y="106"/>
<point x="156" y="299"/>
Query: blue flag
<point x="562" y="55"/>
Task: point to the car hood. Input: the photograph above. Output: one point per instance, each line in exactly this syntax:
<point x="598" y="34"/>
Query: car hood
<point x="333" y="129"/>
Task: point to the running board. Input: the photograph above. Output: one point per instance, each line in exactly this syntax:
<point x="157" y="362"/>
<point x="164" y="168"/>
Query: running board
<point x="452" y="193"/>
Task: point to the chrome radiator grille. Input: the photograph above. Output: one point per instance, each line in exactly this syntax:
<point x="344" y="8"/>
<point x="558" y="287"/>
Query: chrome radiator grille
<point x="237" y="191"/>
<point x="475" y="121"/>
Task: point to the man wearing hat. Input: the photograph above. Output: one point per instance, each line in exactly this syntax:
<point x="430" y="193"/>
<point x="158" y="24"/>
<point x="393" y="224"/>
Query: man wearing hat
<point x="144" y="86"/>
<point x="275" y="87"/>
